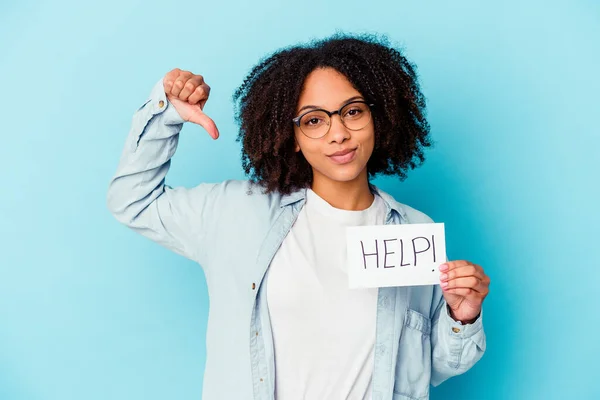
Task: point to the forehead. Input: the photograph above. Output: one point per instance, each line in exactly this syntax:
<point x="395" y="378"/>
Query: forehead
<point x="326" y="88"/>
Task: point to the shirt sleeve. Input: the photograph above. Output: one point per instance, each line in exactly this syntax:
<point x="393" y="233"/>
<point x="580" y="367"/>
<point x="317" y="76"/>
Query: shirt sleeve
<point x="137" y="194"/>
<point x="455" y="347"/>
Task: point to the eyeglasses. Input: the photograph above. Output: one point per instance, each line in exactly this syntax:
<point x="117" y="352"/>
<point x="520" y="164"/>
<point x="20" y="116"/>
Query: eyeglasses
<point x="316" y="123"/>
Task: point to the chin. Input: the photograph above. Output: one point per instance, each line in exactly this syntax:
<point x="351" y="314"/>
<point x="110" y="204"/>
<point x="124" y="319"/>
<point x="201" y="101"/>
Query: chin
<point x="344" y="174"/>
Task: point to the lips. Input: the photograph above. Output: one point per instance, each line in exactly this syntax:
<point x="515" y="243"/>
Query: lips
<point x="343" y="156"/>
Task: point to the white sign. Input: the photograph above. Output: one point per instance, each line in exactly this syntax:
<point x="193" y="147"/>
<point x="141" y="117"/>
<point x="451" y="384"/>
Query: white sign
<point x="395" y="255"/>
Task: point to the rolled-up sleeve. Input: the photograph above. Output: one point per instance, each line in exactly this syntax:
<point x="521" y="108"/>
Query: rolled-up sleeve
<point x="455" y="347"/>
<point x="137" y="194"/>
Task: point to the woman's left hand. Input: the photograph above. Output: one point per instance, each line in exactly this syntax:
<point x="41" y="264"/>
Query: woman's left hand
<point x="465" y="285"/>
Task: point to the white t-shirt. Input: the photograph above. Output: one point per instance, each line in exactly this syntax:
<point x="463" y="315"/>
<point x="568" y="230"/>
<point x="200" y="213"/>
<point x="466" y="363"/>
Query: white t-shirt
<point x="323" y="332"/>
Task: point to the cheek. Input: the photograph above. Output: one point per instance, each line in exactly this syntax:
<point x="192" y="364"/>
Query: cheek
<point x="371" y="145"/>
<point x="368" y="144"/>
<point x="304" y="144"/>
<point x="309" y="151"/>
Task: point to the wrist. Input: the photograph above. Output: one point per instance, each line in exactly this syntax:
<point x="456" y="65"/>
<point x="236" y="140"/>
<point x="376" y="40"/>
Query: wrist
<point x="462" y="321"/>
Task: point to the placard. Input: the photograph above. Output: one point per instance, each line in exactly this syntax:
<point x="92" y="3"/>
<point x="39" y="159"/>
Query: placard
<point x="395" y="255"/>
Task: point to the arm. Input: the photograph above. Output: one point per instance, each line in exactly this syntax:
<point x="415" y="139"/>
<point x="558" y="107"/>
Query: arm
<point x="455" y="347"/>
<point x="137" y="194"/>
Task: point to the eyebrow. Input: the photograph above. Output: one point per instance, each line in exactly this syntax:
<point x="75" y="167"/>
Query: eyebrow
<point x="310" y="106"/>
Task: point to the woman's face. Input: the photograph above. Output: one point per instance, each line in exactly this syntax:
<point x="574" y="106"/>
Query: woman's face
<point x="342" y="154"/>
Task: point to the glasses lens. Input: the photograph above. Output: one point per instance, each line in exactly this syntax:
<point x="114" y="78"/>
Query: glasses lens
<point x="315" y="124"/>
<point x="356" y="115"/>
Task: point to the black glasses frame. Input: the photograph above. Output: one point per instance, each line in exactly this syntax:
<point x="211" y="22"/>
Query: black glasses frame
<point x="330" y="114"/>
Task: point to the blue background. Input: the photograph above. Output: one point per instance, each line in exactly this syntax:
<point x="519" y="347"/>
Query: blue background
<point x="90" y="310"/>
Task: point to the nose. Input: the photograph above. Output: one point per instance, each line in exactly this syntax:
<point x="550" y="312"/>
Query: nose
<point x="337" y="131"/>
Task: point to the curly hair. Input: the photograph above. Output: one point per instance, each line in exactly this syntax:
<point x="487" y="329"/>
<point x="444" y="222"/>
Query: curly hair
<point x="266" y="102"/>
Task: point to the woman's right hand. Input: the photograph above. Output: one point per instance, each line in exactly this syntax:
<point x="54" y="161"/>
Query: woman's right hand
<point x="188" y="93"/>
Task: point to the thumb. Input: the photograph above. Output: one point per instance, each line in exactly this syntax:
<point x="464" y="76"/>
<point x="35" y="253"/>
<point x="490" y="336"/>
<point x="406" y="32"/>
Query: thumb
<point x="198" y="117"/>
<point x="453" y="300"/>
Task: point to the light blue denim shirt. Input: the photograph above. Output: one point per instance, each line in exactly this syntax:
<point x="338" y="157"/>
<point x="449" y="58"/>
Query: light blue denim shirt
<point x="233" y="230"/>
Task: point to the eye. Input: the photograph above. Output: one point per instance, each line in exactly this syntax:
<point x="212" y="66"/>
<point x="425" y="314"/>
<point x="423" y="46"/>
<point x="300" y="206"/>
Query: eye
<point x="314" y="120"/>
<point x="354" y="112"/>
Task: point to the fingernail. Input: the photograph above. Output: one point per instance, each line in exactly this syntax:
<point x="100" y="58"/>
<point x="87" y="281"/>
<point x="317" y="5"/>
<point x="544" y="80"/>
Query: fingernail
<point x="444" y="267"/>
<point x="444" y="284"/>
<point x="443" y="277"/>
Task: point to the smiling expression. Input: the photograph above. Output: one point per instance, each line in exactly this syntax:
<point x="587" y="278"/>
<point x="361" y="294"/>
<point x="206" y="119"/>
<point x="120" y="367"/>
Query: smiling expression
<point x="342" y="154"/>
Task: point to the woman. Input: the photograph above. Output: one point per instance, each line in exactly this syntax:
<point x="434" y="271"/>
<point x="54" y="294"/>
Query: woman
<point x="317" y="122"/>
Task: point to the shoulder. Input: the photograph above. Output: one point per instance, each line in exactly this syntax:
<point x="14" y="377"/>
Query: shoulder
<point x="409" y="214"/>
<point x="415" y="216"/>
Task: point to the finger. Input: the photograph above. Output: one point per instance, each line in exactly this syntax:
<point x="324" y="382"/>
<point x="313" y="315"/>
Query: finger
<point x="192" y="83"/>
<point x="464" y="292"/>
<point x="200" y="95"/>
<point x="450" y="265"/>
<point x="170" y="78"/>
<point x="469" y="282"/>
<point x="179" y="83"/>
<point x="467" y="270"/>
<point x="206" y="122"/>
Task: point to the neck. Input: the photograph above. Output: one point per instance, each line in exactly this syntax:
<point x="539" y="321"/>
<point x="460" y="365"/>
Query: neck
<point x="353" y="195"/>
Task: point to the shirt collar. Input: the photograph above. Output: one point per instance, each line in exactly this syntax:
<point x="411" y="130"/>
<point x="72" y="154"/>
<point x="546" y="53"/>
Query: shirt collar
<point x="294" y="197"/>
<point x="390" y="202"/>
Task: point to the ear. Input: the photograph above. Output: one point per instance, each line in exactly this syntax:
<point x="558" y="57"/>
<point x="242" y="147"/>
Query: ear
<point x="296" y="146"/>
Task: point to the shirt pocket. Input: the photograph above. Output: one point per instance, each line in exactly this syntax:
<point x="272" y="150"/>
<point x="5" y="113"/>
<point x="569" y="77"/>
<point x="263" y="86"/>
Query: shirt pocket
<point x="413" y="369"/>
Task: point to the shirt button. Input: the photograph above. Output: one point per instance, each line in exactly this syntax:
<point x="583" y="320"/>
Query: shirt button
<point x="456" y="330"/>
<point x="161" y="104"/>
<point x="261" y="379"/>
<point x="253" y="285"/>
<point x="256" y="333"/>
